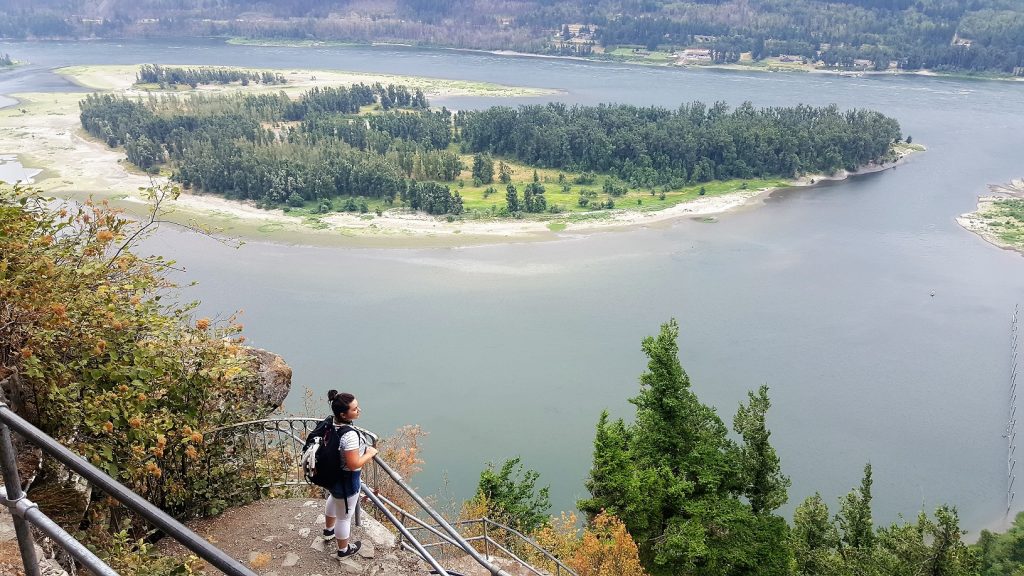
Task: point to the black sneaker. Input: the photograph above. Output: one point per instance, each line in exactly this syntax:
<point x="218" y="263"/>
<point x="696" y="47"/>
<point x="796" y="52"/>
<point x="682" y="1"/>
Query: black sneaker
<point x="328" y="534"/>
<point x="353" y="547"/>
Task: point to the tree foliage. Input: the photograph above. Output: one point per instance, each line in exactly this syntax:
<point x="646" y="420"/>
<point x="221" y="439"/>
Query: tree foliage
<point x="96" y="350"/>
<point x="193" y="77"/>
<point x="676" y="479"/>
<point x="697" y="502"/>
<point x="981" y="35"/>
<point x="765" y="487"/>
<point x="851" y="544"/>
<point x="1002" y="554"/>
<point x="607" y="549"/>
<point x="512" y="495"/>
<point x="649" y="147"/>
<point x="278" y="151"/>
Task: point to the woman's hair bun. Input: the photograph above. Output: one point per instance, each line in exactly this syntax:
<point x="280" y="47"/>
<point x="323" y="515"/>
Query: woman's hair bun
<point x="331" y="394"/>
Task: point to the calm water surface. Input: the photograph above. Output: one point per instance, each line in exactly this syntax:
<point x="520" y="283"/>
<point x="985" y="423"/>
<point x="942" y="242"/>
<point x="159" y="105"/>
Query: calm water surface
<point x="823" y="294"/>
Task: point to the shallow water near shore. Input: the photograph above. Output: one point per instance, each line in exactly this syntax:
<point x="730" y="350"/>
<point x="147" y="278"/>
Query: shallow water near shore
<point x="12" y="172"/>
<point x="822" y="293"/>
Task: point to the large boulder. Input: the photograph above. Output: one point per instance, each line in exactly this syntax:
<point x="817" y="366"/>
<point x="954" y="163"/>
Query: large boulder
<point x="275" y="378"/>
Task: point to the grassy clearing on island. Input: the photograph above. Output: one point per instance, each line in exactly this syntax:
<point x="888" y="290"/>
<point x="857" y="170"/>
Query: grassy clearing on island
<point x="1006" y="221"/>
<point x="566" y="200"/>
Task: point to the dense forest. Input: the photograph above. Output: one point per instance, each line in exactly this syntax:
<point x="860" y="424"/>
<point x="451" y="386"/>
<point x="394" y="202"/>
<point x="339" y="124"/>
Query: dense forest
<point x="952" y="35"/>
<point x="324" y="145"/>
<point x="647" y="147"/>
<point x="277" y="151"/>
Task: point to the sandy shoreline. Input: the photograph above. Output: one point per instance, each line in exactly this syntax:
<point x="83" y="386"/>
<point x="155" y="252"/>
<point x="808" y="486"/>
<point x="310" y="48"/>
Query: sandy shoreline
<point x="987" y="221"/>
<point x="402" y="228"/>
<point x="43" y="131"/>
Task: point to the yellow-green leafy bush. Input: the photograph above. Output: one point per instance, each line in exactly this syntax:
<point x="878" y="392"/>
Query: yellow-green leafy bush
<point x="98" y="351"/>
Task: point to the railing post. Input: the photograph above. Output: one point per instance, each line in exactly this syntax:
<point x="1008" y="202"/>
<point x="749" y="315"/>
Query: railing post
<point x="487" y="553"/>
<point x="9" y="466"/>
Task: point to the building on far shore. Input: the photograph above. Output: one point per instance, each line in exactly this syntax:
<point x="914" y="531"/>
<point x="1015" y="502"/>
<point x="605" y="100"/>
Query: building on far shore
<point x="695" y="55"/>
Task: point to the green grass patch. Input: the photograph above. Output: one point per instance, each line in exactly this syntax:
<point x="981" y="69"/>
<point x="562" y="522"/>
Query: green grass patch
<point x="562" y="193"/>
<point x="1006" y="220"/>
<point x="639" y="54"/>
<point x="561" y="190"/>
<point x="271" y="227"/>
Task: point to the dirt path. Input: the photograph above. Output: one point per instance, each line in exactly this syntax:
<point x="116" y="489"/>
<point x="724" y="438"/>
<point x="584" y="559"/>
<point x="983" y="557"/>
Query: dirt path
<point x="282" y="537"/>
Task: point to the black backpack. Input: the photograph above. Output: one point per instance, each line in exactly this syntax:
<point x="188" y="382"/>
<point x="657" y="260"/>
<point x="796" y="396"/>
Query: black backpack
<point x="321" y="455"/>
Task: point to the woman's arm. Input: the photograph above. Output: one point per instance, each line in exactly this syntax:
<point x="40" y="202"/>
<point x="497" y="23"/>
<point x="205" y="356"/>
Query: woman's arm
<point x="354" y="461"/>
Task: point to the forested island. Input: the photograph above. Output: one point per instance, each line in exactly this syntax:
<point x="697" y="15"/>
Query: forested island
<point x="370" y="148"/>
<point x="981" y="36"/>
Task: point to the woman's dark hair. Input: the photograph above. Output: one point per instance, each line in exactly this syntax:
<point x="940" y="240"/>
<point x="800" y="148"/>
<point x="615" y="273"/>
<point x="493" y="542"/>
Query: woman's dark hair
<point x="331" y="394"/>
<point x="340" y="404"/>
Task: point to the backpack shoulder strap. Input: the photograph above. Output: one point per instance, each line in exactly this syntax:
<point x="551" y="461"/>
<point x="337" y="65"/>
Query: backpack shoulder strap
<point x="319" y="431"/>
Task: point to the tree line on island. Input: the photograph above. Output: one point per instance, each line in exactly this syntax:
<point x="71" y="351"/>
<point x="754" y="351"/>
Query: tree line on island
<point x="166" y="76"/>
<point x="653" y="146"/>
<point x="321" y="146"/>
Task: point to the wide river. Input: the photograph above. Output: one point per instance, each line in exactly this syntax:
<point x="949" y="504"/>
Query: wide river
<point x="825" y="294"/>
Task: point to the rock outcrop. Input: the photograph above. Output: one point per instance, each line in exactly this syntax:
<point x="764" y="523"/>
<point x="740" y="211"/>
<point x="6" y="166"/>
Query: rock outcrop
<point x="275" y="378"/>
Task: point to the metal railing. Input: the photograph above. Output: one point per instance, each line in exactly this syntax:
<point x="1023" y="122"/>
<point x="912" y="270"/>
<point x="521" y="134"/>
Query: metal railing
<point x="523" y="540"/>
<point x="25" y="512"/>
<point x="263" y="455"/>
<point x="267" y="454"/>
<point x="438" y="539"/>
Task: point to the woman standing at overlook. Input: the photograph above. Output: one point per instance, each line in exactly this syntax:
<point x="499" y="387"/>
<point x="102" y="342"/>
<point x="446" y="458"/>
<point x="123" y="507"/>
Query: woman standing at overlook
<point x="355" y="453"/>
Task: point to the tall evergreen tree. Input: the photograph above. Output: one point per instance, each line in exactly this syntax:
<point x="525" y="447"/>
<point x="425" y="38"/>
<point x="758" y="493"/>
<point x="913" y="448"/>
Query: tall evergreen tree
<point x="512" y="199"/>
<point x="814" y="539"/>
<point x="611" y="473"/>
<point x="764" y="484"/>
<point x="675" y="479"/>
<point x="855" y="523"/>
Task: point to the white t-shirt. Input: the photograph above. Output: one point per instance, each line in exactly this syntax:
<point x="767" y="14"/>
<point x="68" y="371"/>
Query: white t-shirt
<point x="351" y="441"/>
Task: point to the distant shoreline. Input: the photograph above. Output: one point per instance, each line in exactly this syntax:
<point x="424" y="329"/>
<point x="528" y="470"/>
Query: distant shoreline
<point x="767" y="65"/>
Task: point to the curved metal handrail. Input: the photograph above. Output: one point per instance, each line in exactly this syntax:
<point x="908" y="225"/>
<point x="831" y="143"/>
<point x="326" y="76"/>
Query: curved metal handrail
<point x="442" y="529"/>
<point x="558" y="563"/>
<point x="25" y="511"/>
